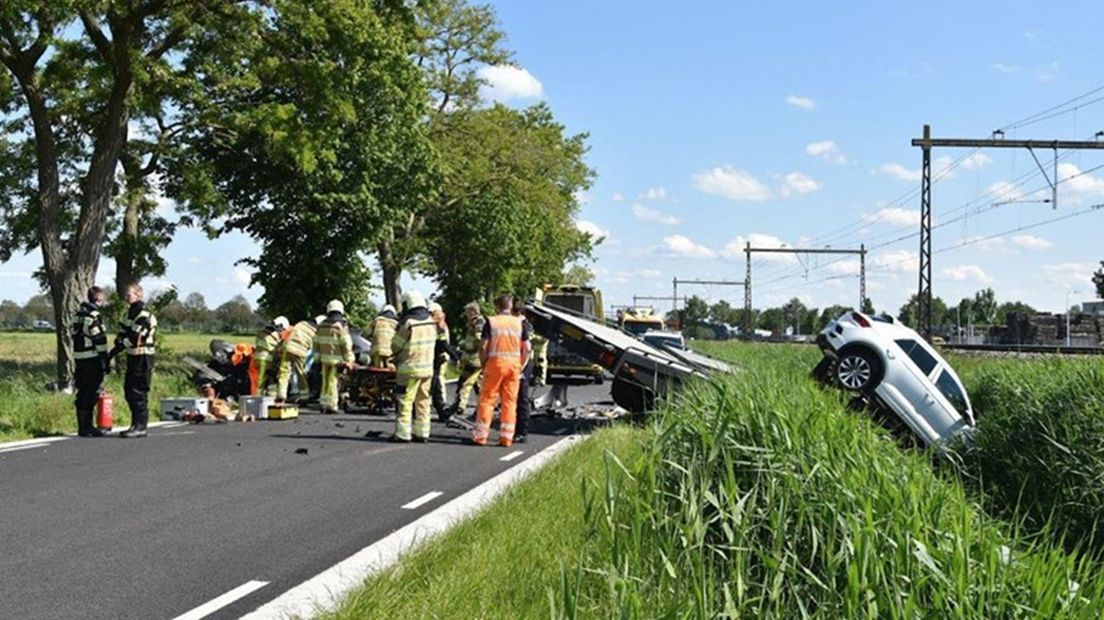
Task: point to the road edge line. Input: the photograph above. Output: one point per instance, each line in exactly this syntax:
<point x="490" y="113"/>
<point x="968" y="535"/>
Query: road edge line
<point x="56" y="438"/>
<point x="325" y="591"/>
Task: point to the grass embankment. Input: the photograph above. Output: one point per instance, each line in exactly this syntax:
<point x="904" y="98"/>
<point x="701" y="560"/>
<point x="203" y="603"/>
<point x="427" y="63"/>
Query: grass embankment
<point x="758" y="494"/>
<point x="28" y="363"/>
<point x="504" y="562"/>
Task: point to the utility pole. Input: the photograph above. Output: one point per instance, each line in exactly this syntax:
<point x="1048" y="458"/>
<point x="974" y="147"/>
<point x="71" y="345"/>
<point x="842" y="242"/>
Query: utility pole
<point x="714" y="283"/>
<point x="861" y="252"/>
<point x="926" y="144"/>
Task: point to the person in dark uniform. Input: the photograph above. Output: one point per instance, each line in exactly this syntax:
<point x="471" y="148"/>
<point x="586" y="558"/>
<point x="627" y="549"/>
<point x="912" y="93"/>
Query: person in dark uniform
<point x="91" y="357"/>
<point x="524" y="402"/>
<point x="136" y="333"/>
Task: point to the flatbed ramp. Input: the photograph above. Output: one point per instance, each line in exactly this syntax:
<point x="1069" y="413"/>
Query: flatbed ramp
<point x="641" y="372"/>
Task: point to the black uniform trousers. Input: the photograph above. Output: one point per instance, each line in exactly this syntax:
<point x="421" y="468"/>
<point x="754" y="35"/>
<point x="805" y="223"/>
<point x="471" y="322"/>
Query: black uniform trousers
<point x="524" y="404"/>
<point x="136" y="387"/>
<point x="89" y="379"/>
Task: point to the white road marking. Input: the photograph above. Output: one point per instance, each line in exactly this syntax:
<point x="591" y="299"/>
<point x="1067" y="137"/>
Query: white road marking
<point x="513" y="455"/>
<point x="324" y="591"/>
<point x="7" y="449"/>
<point x="216" y="604"/>
<point x="45" y="440"/>
<point x="423" y="500"/>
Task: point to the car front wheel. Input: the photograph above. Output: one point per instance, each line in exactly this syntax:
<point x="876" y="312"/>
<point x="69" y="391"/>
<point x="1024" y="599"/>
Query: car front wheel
<point x="857" y="371"/>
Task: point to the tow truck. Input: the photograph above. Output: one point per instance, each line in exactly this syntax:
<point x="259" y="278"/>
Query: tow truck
<point x="641" y="372"/>
<point x="564" y="365"/>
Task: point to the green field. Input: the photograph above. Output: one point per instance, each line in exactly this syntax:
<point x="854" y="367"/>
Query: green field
<point x="28" y="362"/>
<point x="763" y="494"/>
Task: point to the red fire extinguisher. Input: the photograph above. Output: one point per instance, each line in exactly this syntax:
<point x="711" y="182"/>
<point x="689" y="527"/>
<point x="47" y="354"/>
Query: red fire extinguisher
<point x="105" y="412"/>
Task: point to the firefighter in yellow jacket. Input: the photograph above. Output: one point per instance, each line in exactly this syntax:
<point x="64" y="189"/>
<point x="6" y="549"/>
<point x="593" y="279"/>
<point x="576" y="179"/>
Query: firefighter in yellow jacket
<point x="293" y="352"/>
<point x="333" y="348"/>
<point x="264" y="354"/>
<point x="471" y="368"/>
<point x="413" y="346"/>
<point x="381" y="333"/>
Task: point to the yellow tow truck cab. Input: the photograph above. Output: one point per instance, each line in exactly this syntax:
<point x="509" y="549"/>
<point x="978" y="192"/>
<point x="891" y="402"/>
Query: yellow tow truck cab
<point x="583" y="301"/>
<point x="640" y="320"/>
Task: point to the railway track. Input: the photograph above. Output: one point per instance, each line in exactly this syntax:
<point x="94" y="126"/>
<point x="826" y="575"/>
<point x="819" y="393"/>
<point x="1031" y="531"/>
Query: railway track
<point x="1025" y="348"/>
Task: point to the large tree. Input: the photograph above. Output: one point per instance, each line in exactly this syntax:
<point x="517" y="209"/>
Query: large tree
<point x="307" y="144"/>
<point x="512" y="195"/>
<point x="76" y="70"/>
<point x="909" y="312"/>
<point x="455" y="40"/>
<point x="1098" y="280"/>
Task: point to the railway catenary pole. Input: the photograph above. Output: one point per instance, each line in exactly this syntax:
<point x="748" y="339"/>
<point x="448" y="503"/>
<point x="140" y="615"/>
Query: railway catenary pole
<point x="861" y="252"/>
<point x="926" y="144"/>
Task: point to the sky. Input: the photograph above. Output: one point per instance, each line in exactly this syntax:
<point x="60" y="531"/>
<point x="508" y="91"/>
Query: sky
<point x="712" y="124"/>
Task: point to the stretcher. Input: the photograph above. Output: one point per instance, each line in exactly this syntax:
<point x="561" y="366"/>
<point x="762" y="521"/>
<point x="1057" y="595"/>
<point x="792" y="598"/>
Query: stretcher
<point x="641" y="372"/>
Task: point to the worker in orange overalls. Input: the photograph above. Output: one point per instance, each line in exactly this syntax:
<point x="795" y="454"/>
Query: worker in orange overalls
<point x="504" y="352"/>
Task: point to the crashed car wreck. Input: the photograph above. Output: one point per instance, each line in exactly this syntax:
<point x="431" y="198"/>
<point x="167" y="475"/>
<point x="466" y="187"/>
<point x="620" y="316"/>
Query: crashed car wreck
<point x="890" y="366"/>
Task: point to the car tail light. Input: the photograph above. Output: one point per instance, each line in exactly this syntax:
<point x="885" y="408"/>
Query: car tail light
<point x="860" y="319"/>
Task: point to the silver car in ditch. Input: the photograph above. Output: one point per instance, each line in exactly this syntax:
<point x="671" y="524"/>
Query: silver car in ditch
<point x="892" y="366"/>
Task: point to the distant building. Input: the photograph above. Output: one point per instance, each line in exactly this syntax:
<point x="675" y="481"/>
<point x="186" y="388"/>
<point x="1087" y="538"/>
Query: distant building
<point x="1095" y="308"/>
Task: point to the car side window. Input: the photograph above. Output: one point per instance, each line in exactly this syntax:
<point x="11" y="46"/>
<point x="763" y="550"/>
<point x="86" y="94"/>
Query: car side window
<point x="923" y="360"/>
<point x="952" y="391"/>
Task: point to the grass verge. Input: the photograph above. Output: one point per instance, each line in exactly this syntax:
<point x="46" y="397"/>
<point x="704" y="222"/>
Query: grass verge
<point x="507" y="561"/>
<point x="27" y="363"/>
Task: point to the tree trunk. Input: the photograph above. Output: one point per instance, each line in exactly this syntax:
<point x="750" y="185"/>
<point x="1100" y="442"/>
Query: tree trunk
<point x="125" y="274"/>
<point x="392" y="272"/>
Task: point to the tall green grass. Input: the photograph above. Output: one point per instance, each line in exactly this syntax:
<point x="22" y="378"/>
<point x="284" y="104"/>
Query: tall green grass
<point x="761" y="495"/>
<point x="1038" y="454"/>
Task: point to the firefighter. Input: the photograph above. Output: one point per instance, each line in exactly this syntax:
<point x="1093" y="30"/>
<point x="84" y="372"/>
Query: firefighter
<point x="442" y="353"/>
<point x="471" y="367"/>
<point x="136" y="336"/>
<point x="381" y="332"/>
<point x="294" y="350"/>
<point x="333" y="347"/>
<point x="264" y="352"/>
<point x="504" y="352"/>
<point x="414" y="345"/>
<point x="91" y="355"/>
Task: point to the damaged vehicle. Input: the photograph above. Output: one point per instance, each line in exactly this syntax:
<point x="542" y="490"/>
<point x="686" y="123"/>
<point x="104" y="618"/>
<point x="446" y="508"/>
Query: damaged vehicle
<point x="890" y="366"/>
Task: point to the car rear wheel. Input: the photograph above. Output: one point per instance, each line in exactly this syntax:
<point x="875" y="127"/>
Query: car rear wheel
<point x="858" y="370"/>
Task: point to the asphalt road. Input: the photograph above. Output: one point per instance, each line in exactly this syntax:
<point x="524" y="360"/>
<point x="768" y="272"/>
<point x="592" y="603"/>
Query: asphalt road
<point x="153" y="528"/>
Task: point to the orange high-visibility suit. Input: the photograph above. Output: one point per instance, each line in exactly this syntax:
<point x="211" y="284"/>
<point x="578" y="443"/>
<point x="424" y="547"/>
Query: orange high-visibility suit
<point x="501" y="374"/>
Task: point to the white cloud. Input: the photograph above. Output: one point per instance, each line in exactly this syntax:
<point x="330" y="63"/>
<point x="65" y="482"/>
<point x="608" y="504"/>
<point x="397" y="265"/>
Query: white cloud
<point x="655" y="193"/>
<point x="803" y="103"/>
<point x="1070" y="276"/>
<point x="898" y="171"/>
<point x="1046" y="73"/>
<point x="995" y="245"/>
<point x="195" y="260"/>
<point x="647" y="214"/>
<point x="16" y="274"/>
<point x="799" y="183"/>
<point x="242" y="277"/>
<point x="682" y="246"/>
<point x="648" y="274"/>
<point x="617" y="197"/>
<point x="897" y="261"/>
<point x="967" y="273"/>
<point x="848" y="267"/>
<point x="1073" y="180"/>
<point x="157" y="285"/>
<point x="895" y="216"/>
<point x="1005" y="69"/>
<point x="596" y="232"/>
<point x="736" y="248"/>
<point x="1031" y="242"/>
<point x="826" y="150"/>
<point x="504" y="82"/>
<point x="581" y="196"/>
<point x="973" y="161"/>
<point x="731" y="183"/>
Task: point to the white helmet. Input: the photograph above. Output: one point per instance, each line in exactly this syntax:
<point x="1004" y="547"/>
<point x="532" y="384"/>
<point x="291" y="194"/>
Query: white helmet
<point x="281" y="322"/>
<point x="335" y="305"/>
<point x="320" y="319"/>
<point x="388" y="308"/>
<point x="413" y="299"/>
<point x="435" y="307"/>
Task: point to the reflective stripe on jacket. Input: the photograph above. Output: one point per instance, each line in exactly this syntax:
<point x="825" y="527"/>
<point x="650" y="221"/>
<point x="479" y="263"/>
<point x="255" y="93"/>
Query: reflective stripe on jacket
<point x="300" y="340"/>
<point x="333" y="343"/>
<point x="136" y="333"/>
<point x="414" y="344"/>
<point x="505" y="343"/>
<point x="89" y="337"/>
<point x="266" y="344"/>
<point x="382" y="332"/>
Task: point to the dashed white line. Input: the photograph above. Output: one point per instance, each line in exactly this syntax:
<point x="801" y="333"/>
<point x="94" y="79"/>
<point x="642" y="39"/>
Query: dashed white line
<point x="18" y="448"/>
<point x="513" y="455"/>
<point x="423" y="500"/>
<point x="216" y="604"/>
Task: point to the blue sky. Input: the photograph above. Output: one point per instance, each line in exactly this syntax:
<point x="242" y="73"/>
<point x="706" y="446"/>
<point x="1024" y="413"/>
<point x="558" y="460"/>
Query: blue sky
<point x="715" y="123"/>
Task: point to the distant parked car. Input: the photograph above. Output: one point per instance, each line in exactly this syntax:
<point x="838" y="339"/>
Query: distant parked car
<point x="664" y="339"/>
<point x="42" y="326"/>
<point x="891" y="365"/>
